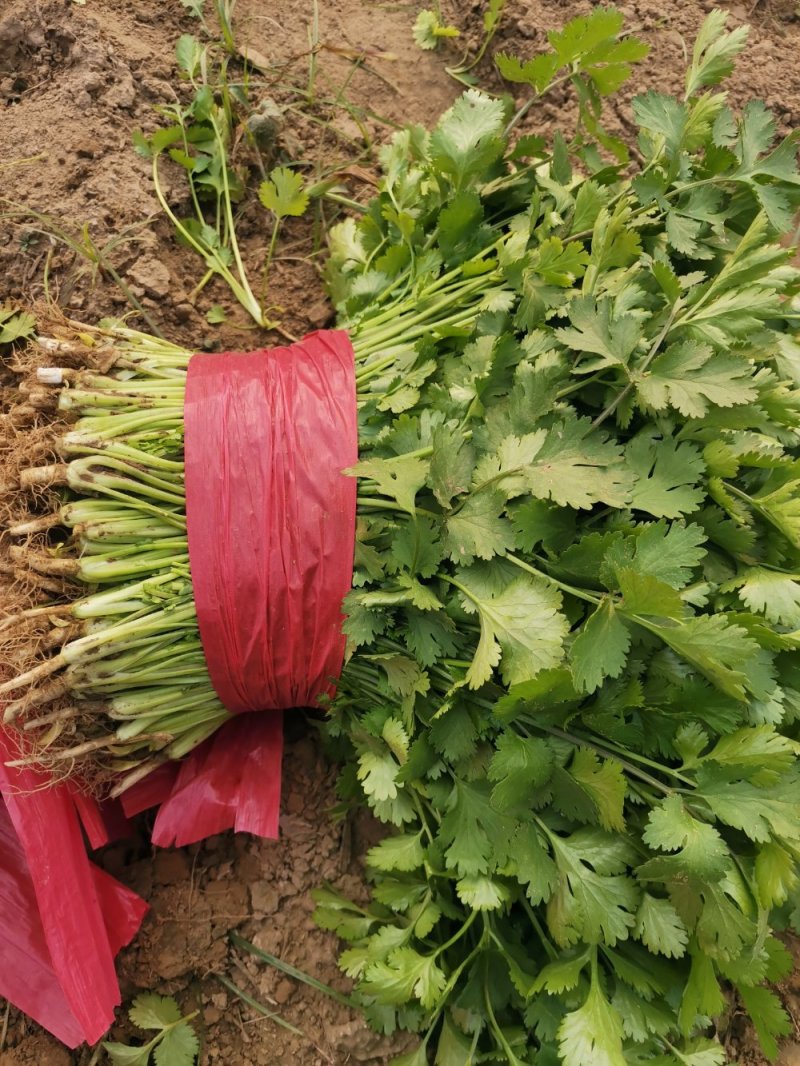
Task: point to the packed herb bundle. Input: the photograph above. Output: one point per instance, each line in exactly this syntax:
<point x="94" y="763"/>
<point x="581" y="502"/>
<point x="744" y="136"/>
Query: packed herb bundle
<point x="573" y="624"/>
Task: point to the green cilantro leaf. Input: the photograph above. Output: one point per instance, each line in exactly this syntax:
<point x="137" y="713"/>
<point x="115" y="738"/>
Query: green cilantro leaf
<point x="400" y="479"/>
<point x="660" y="928"/>
<point x="724" y="653"/>
<point x="701" y="851"/>
<point x="405" y="974"/>
<point x="604" y="782"/>
<point x="690" y="376"/>
<point x="179" y="1047"/>
<point x="702" y="996"/>
<point x="151" y="1011"/>
<point x="593" y="900"/>
<point x="768" y="1016"/>
<point x="428" y="30"/>
<point x="15" y="325"/>
<point x="577" y="467"/>
<point x="122" y="1055"/>
<point x="760" y="813"/>
<point x="771" y="593"/>
<point x="667" y="473"/>
<point x="522" y="627"/>
<point x="594" y="331"/>
<point x="478" y="530"/>
<point x="601" y="648"/>
<point x="175" y="1042"/>
<point x="283" y="193"/>
<point x="519" y="767"/>
<point x="643" y="594"/>
<point x="668" y="552"/>
<point x="467" y="138"/>
<point x="537" y="72"/>
<point x="714" y="52"/>
<point x="470" y="830"/>
<point x="403" y="852"/>
<point x="593" y="1032"/>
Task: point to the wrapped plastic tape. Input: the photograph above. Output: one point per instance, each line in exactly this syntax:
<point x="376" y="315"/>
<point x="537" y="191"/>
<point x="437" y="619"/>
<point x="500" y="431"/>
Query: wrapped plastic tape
<point x="271" y="527"/>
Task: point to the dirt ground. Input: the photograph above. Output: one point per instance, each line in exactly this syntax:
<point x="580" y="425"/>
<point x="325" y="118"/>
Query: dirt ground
<point x="76" y="77"/>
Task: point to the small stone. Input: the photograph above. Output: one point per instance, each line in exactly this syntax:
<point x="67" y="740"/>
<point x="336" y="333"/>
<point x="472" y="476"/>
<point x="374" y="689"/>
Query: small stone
<point x="92" y="82"/>
<point x="85" y="149"/>
<point x="34" y="38"/>
<point x="264" y="898"/>
<point x="789" y="1056"/>
<point x="122" y="93"/>
<point x="212" y="1015"/>
<point x="151" y="274"/>
<point x="284" y="992"/>
<point x="264" y="123"/>
<point x="320" y="314"/>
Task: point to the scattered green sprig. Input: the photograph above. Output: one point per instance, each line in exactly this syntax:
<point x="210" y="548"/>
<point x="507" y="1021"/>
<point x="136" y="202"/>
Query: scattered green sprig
<point x="198" y="138"/>
<point x="284" y="195"/>
<point x="593" y="55"/>
<point x="491" y="22"/>
<point x="429" y="30"/>
<point x="15" y="325"/>
<point x="175" y="1042"/>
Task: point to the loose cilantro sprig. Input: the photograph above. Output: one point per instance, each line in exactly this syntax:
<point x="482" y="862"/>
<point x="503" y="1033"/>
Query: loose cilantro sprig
<point x="572" y="687"/>
<point x="429" y="29"/>
<point x="199" y="137"/>
<point x="175" y="1042"/>
<point x="15" y="325"/>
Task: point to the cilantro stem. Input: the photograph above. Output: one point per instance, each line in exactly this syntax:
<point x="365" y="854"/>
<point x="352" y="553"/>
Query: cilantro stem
<point x="418" y="807"/>
<point x="552" y="953"/>
<point x="498" y="1032"/>
<point x="234" y="244"/>
<point x="582" y="594"/>
<point x="387" y="505"/>
<point x="487" y="484"/>
<point x="268" y="260"/>
<point x="578" y="741"/>
<point x="522" y="111"/>
<point x="456" y="936"/>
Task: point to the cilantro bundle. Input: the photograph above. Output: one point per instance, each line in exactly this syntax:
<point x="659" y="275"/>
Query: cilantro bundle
<point x="572" y="682"/>
<point x="576" y="606"/>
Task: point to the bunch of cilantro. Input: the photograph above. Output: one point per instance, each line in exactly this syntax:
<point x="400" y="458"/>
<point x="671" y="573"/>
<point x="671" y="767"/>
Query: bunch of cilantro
<point x="573" y="683"/>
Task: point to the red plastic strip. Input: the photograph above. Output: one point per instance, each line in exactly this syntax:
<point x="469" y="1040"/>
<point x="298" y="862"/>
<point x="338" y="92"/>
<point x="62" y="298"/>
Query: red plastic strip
<point x="102" y="822"/>
<point x="27" y="977"/>
<point x="62" y="920"/>
<point x="271" y="517"/>
<point x="232" y="782"/>
<point x="151" y="790"/>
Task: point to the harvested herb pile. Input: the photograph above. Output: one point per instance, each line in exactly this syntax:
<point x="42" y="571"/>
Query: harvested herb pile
<point x="573" y="679"/>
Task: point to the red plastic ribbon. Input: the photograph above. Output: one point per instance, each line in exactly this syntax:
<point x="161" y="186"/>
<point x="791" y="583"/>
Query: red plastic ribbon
<point x="63" y="920"/>
<point x="271" y="517"/>
<point x="271" y="528"/>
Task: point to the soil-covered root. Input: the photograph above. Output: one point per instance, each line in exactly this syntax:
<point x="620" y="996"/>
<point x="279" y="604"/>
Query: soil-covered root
<point x="42" y="562"/>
